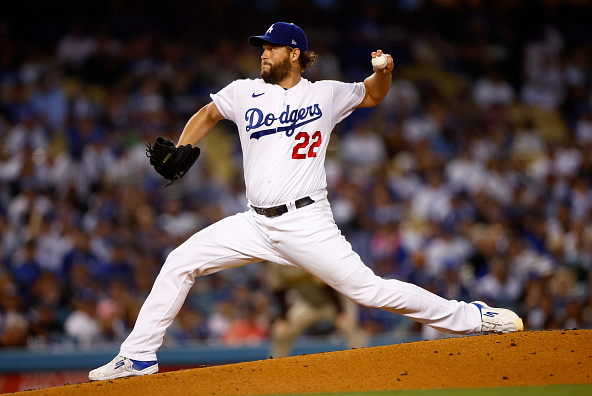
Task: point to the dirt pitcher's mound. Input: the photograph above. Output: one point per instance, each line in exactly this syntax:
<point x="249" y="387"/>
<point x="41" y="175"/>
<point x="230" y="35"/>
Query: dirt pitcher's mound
<point x="530" y="358"/>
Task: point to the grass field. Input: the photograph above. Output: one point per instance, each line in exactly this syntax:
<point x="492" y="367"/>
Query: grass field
<point x="552" y="390"/>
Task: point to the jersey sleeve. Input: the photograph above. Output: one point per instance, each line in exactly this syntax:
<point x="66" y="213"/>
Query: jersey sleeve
<point x="225" y="101"/>
<point x="346" y="97"/>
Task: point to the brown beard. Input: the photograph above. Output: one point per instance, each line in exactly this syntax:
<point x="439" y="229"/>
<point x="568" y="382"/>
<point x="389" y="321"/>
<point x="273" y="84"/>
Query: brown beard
<point x="277" y="72"/>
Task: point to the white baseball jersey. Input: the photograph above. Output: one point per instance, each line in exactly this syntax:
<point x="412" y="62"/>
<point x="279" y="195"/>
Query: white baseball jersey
<point x="284" y="133"/>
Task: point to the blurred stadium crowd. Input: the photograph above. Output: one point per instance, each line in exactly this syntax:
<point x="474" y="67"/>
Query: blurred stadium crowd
<point x="471" y="179"/>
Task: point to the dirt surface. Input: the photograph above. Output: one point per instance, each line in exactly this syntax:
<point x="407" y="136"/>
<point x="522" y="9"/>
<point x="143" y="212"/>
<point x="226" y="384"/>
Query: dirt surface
<point x="530" y="358"/>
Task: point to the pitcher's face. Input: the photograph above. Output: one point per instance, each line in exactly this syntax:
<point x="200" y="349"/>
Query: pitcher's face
<point x="275" y="63"/>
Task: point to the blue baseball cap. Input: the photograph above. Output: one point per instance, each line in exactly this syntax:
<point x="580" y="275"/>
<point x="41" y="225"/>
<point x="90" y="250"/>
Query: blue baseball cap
<point x="282" y="33"/>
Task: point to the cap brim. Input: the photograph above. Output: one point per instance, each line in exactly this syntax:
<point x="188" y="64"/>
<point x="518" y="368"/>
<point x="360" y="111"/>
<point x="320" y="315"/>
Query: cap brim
<point x="258" y="41"/>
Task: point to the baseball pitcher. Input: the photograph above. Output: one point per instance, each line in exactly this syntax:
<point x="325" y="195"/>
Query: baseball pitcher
<point x="284" y="123"/>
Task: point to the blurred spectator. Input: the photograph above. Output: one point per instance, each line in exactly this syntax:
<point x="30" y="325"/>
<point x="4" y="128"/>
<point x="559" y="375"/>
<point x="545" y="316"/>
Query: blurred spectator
<point x="498" y="287"/>
<point x="246" y="329"/>
<point x="82" y="325"/>
<point x="104" y="66"/>
<point x="189" y="326"/>
<point x="52" y="244"/>
<point x="176" y="221"/>
<point x="49" y="102"/>
<point x="220" y="320"/>
<point x="120" y="267"/>
<point x="79" y="283"/>
<point x="431" y="201"/>
<point x="583" y="129"/>
<point x="313" y="305"/>
<point x="45" y="314"/>
<point x="117" y="312"/>
<point x="363" y="148"/>
<point x="80" y="253"/>
<point x="75" y="47"/>
<point x="445" y="250"/>
<point x="28" y="132"/>
<point x="26" y="205"/>
<point x="25" y="268"/>
<point x="418" y="128"/>
<point x="9" y="241"/>
<point x="493" y="90"/>
<point x="45" y="325"/>
<point x="14" y="326"/>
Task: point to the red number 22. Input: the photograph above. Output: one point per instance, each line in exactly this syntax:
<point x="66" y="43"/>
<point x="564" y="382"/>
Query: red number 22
<point x="304" y="140"/>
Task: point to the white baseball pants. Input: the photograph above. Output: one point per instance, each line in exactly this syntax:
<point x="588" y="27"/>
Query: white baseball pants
<point x="307" y="238"/>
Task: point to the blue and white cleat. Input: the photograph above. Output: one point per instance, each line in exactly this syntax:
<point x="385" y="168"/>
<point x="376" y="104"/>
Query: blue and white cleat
<point x="498" y="320"/>
<point x="123" y="367"/>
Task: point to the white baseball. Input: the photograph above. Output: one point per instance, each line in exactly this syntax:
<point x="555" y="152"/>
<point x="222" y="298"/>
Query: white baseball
<point x="380" y="62"/>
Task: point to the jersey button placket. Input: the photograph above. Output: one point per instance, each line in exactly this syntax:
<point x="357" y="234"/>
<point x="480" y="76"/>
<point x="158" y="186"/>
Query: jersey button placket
<point x="283" y="108"/>
<point x="273" y="159"/>
<point x="281" y="134"/>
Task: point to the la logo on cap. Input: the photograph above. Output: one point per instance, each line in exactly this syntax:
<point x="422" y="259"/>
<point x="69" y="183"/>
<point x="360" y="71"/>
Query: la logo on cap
<point x="282" y="33"/>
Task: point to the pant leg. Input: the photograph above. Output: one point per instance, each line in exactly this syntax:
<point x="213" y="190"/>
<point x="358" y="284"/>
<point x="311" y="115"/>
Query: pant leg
<point x="326" y="254"/>
<point x="231" y="242"/>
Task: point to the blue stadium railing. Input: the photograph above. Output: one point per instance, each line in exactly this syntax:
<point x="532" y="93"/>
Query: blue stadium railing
<point x="72" y="358"/>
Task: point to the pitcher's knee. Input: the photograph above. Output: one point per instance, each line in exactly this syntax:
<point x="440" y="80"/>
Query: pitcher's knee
<point x="363" y="293"/>
<point x="178" y="264"/>
<point x="365" y="300"/>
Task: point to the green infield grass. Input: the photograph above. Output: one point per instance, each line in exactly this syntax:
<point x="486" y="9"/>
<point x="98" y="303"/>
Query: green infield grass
<point x="551" y="390"/>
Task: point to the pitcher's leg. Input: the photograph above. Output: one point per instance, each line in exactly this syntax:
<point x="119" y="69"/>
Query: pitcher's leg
<point x="231" y="242"/>
<point x="327" y="255"/>
<point x="158" y="311"/>
<point x="412" y="301"/>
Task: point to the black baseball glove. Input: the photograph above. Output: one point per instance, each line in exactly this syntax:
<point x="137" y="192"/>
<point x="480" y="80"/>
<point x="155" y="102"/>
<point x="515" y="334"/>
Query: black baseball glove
<point x="169" y="161"/>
